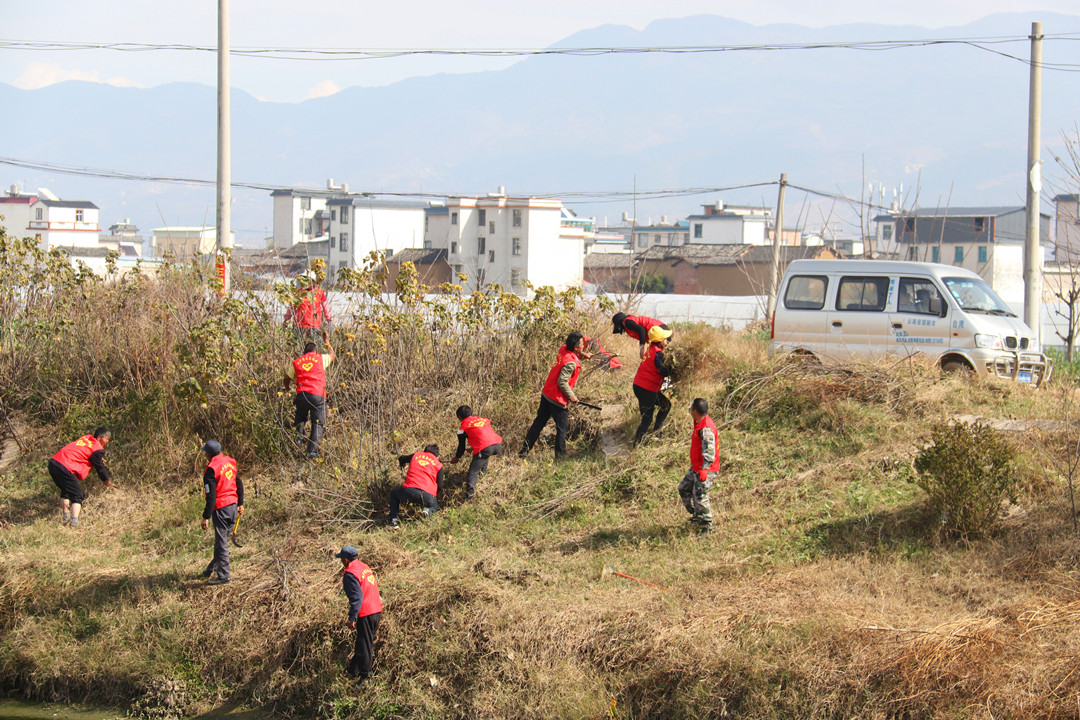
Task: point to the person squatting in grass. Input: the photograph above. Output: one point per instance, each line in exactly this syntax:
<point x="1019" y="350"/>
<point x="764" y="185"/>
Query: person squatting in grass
<point x="484" y="442"/>
<point x="422" y="482"/>
<point x="308" y="372"/>
<point x="224" y="503"/>
<point x="70" y="466"/>
<point x="365" y="610"/>
<point x="638" y="327"/>
<point x="557" y="394"/>
<point x="648" y="383"/>
<point x="704" y="462"/>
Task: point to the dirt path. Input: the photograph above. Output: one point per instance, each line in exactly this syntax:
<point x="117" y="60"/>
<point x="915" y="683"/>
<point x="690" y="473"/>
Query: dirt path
<point x="1010" y="425"/>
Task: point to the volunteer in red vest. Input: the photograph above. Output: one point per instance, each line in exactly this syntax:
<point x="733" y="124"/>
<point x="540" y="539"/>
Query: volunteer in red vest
<point x="638" y="327"/>
<point x="557" y="395"/>
<point x="365" y="610"/>
<point x="648" y="383"/>
<point x="70" y="466"/>
<point x="484" y="442"/>
<point x="310" y="314"/>
<point x="704" y="464"/>
<point x="224" y="504"/>
<point x="308" y="374"/>
<point x="422" y="482"/>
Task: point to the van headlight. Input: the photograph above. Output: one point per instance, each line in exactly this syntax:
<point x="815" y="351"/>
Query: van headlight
<point x="992" y="342"/>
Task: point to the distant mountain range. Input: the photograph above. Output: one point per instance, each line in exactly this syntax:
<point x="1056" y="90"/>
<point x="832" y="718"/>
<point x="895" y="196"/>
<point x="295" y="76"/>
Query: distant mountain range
<point x="948" y="119"/>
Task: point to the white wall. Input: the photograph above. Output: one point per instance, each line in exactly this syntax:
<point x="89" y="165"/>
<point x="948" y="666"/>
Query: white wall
<point x="372" y="228"/>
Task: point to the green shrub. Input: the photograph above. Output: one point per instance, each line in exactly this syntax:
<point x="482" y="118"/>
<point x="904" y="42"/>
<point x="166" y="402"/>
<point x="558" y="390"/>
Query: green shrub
<point x="966" y="471"/>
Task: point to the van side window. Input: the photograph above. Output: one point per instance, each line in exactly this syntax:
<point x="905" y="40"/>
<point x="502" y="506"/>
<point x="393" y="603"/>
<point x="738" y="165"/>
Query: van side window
<point x="919" y="296"/>
<point x="862" y="293"/>
<point x="805" y="292"/>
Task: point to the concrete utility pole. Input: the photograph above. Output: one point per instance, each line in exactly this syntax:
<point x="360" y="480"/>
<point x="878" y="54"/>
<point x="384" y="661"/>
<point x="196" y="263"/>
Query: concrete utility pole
<point x="774" y="265"/>
<point x="224" y="171"/>
<point x="1032" y="250"/>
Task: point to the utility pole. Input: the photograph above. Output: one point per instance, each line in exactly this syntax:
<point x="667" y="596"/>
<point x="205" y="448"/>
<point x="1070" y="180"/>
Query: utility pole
<point x="224" y="171"/>
<point x="774" y="265"/>
<point x="1032" y="250"/>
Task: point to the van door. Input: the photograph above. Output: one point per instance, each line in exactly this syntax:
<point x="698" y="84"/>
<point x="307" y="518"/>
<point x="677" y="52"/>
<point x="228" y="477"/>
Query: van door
<point x="858" y="324"/>
<point x="801" y="315"/>
<point x="920" y="321"/>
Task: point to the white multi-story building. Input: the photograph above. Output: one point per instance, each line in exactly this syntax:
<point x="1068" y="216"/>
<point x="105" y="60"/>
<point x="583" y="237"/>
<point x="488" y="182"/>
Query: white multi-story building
<point x="15" y="212"/>
<point x="729" y="225"/>
<point x="360" y="225"/>
<point x="301" y="216"/>
<point x="506" y="240"/>
<point x="63" y="223"/>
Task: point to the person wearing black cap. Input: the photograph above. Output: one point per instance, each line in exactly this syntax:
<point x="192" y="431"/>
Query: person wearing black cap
<point x="71" y="464"/>
<point x="557" y="395"/>
<point x="638" y="327"/>
<point x="224" y="503"/>
<point x="365" y="610"/>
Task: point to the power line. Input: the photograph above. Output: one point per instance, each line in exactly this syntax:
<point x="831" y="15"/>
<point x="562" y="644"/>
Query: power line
<point x="352" y="54"/>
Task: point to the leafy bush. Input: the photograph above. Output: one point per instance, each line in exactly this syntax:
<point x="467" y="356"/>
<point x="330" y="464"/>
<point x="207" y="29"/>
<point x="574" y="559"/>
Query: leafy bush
<point x="966" y="471"/>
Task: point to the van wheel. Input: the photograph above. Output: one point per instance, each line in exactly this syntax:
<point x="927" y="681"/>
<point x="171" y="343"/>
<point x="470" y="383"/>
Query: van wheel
<point x="953" y="367"/>
<point x="804" y="357"/>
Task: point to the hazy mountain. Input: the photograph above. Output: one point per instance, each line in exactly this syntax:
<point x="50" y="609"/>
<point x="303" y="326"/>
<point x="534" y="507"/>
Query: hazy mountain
<point x="949" y="117"/>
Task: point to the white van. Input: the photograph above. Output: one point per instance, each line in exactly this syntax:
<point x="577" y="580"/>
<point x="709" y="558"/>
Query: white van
<point x="843" y="310"/>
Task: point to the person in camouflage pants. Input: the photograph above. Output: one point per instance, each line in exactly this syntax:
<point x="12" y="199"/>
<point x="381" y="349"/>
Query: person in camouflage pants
<point x="704" y="463"/>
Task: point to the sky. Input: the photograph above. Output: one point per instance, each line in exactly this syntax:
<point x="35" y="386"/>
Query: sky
<point x="406" y="24"/>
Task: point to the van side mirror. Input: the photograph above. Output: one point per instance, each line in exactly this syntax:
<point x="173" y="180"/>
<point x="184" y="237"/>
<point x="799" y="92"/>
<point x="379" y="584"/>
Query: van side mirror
<point x="936" y="308"/>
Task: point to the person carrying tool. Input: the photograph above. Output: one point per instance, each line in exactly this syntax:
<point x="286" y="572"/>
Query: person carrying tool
<point x="309" y="309"/>
<point x="224" y="492"/>
<point x="484" y="441"/>
<point x="557" y="394"/>
<point x="704" y="463"/>
<point x="70" y="466"/>
<point x="308" y="372"/>
<point x="422" y="482"/>
<point x="638" y="327"/>
<point x="648" y="383"/>
<point x="365" y="610"/>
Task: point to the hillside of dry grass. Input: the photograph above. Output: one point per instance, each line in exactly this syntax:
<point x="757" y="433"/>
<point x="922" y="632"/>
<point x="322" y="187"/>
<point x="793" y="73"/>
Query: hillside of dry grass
<point x="827" y="591"/>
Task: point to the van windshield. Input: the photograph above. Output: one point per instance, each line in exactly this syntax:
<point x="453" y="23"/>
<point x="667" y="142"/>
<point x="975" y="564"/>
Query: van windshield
<point x="976" y="296"/>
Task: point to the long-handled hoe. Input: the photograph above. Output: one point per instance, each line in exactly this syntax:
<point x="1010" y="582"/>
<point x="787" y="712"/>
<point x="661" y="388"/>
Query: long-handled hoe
<point x="608" y="570"/>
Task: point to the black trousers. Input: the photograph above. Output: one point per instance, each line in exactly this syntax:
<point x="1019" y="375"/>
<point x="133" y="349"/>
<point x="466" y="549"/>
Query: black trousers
<point x="364" y="650"/>
<point x="413" y="495"/>
<point x="478" y="466"/>
<point x="70" y="487"/>
<point x="315" y="407"/>
<point x="648" y="402"/>
<point x="548" y="411"/>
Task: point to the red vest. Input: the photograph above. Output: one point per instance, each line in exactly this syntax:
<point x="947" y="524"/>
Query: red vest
<point x="480" y="433"/>
<point x="644" y="321"/>
<point x="76" y="456"/>
<point x="310" y="374"/>
<point x="225" y="473"/>
<point x="372" y="602"/>
<point x="308" y="314"/>
<point x="551" y="387"/>
<point x="696" y="461"/>
<point x="647" y="376"/>
<point x="423" y="469"/>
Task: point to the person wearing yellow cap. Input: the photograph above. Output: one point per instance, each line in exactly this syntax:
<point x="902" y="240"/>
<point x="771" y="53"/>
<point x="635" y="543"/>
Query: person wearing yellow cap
<point x="648" y="383"/>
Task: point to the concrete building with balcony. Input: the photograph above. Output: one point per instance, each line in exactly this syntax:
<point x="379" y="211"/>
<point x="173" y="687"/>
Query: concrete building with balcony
<point x="63" y="223"/>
